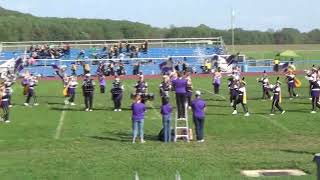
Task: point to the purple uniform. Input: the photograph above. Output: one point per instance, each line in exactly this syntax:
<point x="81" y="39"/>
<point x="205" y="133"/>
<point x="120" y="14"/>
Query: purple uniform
<point x="166" y="109"/>
<point x="138" y="110"/>
<point x="198" y="106"/>
<point x="180" y="85"/>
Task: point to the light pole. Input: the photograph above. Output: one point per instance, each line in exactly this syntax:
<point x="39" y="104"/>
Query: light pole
<point x="233" y="15"/>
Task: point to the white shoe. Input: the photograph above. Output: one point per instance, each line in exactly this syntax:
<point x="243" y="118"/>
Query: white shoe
<point x="297" y="95"/>
<point x="72" y="104"/>
<point x="90" y="110"/>
<point x="7" y="121"/>
<point x="283" y="112"/>
<point x="202" y="140"/>
<point x="310" y="98"/>
<point x="235" y="112"/>
<point x="10" y="106"/>
<point x="26" y="104"/>
<point x="271" y="114"/>
<point x="143" y="141"/>
<point x="87" y="109"/>
<point x="247" y="114"/>
<point x="313" y="112"/>
<point x="115" y="110"/>
<point x="119" y="109"/>
<point x="36" y="104"/>
<point x="66" y="102"/>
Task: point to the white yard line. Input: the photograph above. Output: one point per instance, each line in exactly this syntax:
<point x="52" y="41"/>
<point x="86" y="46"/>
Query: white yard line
<point x="275" y="123"/>
<point x="224" y="98"/>
<point x="61" y="120"/>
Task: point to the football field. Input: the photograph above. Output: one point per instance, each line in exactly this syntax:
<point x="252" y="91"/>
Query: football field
<point x="55" y="141"/>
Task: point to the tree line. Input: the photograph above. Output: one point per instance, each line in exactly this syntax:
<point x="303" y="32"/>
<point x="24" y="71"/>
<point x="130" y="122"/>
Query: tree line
<point x="16" y="26"/>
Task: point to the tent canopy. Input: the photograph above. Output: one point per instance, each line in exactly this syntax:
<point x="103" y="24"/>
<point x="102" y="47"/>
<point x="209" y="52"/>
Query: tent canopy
<point x="289" y="53"/>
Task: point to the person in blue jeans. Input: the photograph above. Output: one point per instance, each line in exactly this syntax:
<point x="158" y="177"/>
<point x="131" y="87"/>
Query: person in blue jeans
<point x="198" y="108"/>
<point x="166" y="110"/>
<point x="138" y="110"/>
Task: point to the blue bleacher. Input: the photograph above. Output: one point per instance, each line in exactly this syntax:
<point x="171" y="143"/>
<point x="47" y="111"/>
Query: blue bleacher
<point x="152" y="68"/>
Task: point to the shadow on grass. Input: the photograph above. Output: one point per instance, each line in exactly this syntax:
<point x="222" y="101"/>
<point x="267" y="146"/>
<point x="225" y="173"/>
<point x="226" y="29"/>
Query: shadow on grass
<point x="217" y="105"/>
<point x="123" y="137"/>
<point x="82" y="109"/>
<point x="297" y="152"/>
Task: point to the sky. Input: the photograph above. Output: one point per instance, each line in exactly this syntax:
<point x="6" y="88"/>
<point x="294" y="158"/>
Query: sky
<point x="249" y="14"/>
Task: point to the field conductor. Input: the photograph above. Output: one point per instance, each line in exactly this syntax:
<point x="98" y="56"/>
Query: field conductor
<point x="180" y="87"/>
<point x="88" y="91"/>
<point x="117" y="93"/>
<point x="276" y="100"/>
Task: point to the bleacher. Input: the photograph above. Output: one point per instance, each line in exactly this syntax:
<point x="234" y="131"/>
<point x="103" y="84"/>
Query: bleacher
<point x="194" y="49"/>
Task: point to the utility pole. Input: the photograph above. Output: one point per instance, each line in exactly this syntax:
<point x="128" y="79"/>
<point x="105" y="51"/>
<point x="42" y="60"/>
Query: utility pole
<point x="233" y="15"/>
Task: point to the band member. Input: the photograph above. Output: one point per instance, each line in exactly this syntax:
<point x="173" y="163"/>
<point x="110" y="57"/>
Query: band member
<point x="25" y="82"/>
<point x="116" y="92"/>
<point x="32" y="83"/>
<point x="102" y="82"/>
<point x="315" y="92"/>
<point x="233" y="85"/>
<point x="165" y="88"/>
<point x="142" y="88"/>
<point x="276" y="100"/>
<point x="265" y="86"/>
<point x="180" y="87"/>
<point x="71" y="90"/>
<point x="4" y="104"/>
<point x="88" y="91"/>
<point x="9" y="81"/>
<point x="216" y="80"/>
<point x="311" y="76"/>
<point x="189" y="90"/>
<point x="241" y="98"/>
<point x="290" y="81"/>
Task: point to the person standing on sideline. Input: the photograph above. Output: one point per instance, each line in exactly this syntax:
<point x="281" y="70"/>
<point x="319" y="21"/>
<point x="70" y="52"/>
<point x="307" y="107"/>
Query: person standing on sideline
<point x="138" y="110"/>
<point x="198" y="109"/>
<point x="116" y="92"/>
<point x="88" y="91"/>
<point x="166" y="110"/>
<point x="180" y="87"/>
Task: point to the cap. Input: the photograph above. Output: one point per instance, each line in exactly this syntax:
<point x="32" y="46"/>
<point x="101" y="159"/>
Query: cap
<point x="198" y="93"/>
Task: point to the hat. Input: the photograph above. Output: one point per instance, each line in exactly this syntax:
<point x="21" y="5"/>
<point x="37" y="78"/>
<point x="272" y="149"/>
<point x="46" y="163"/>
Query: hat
<point x="198" y="93"/>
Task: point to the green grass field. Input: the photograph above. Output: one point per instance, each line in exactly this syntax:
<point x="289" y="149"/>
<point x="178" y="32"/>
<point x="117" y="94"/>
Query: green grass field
<point x="97" y="145"/>
<point x="306" y="51"/>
